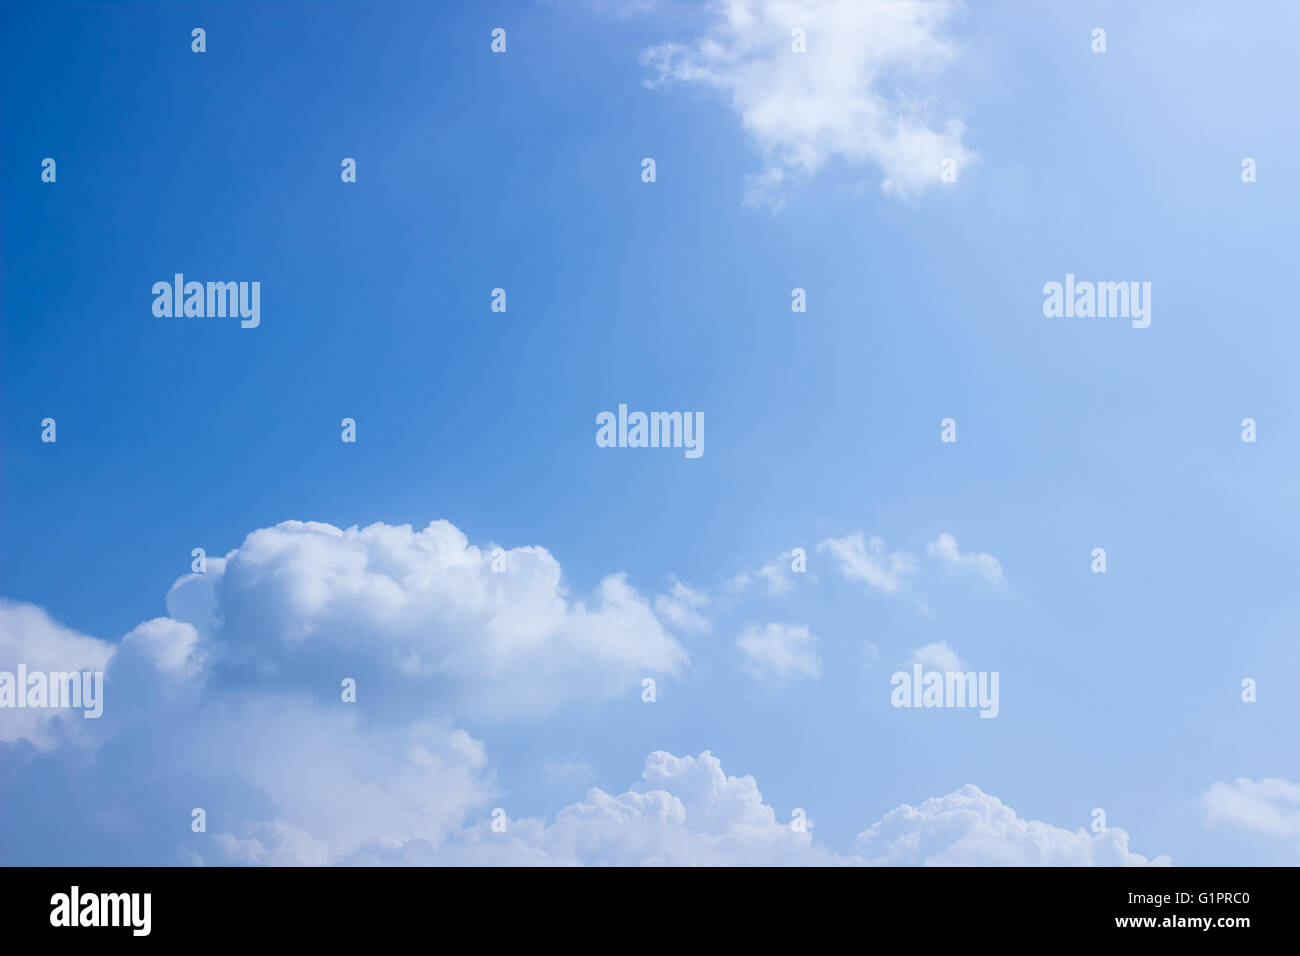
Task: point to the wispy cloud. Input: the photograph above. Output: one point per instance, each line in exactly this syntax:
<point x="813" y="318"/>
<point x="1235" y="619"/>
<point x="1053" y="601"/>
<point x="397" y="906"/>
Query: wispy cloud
<point x="945" y="551"/>
<point x="683" y="608"/>
<point x="867" y="560"/>
<point x="1270" y="806"/>
<point x="779" y="652"/>
<point x="775" y="578"/>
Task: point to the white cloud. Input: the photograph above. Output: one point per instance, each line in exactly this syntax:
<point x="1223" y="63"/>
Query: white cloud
<point x="167" y="646"/>
<point x="971" y="828"/>
<point x="421" y="617"/>
<point x="232" y="704"/>
<point x="681" y="608"/>
<point x="779" y="652"/>
<point x="1270" y="806"/>
<point x="285" y="779"/>
<point x="290" y="780"/>
<point x="29" y="636"/>
<point x="326" y="783"/>
<point x="938" y="656"/>
<point x="865" y="92"/>
<point x="274" y="843"/>
<point x="776" y="577"/>
<point x="235" y="697"/>
<point x="945" y="550"/>
<point x="685" y="811"/>
<point x="868" y="561"/>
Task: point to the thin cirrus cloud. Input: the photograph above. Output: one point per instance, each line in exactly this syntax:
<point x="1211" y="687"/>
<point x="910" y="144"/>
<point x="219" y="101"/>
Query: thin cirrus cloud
<point x="869" y="561"/>
<point x="865" y="92"/>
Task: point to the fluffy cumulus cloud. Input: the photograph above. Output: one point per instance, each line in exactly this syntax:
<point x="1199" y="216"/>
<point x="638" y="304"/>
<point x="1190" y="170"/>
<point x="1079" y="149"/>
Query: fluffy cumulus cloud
<point x="779" y="652"/>
<point x="865" y="92"/>
<point x="1270" y="807"/>
<point x="971" y="828"/>
<point x="684" y="811"/>
<point x="280" y="777"/>
<point x="423" y="615"/>
<point x="228" y="710"/>
<point x="232" y="702"/>
<point x="284" y="780"/>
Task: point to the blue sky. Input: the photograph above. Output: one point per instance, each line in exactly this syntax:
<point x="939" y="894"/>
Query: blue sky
<point x="522" y="170"/>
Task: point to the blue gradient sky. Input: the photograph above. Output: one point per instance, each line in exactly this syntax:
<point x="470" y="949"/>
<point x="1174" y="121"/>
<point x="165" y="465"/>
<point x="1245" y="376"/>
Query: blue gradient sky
<point x="523" y="171"/>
